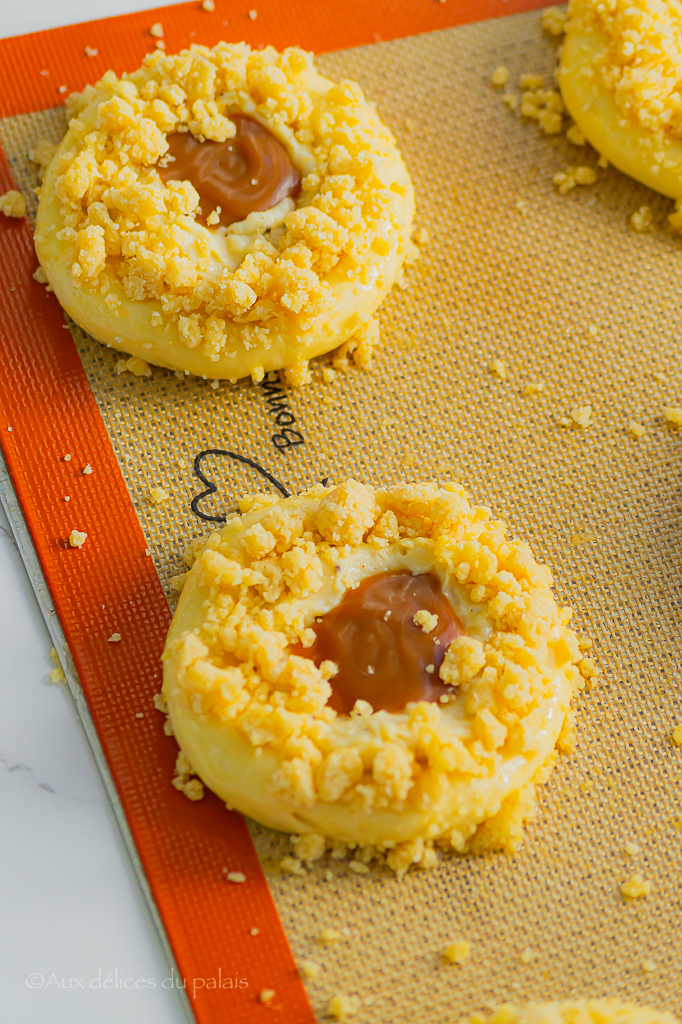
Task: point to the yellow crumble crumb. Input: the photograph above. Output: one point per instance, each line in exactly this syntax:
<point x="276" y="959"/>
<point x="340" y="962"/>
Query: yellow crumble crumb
<point x="328" y="374"/>
<point x="677" y="735"/>
<point x="292" y="866"/>
<point x="531" y="81"/>
<point x="420" y="235"/>
<point x="636" y="429"/>
<point x="157" y="495"/>
<point x="635" y="887"/>
<point x="673" y="415"/>
<point x="575" y="136"/>
<point x="309" y="969"/>
<point x="208" y="5"/>
<point x="57" y="675"/>
<point x="156" y="30"/>
<point x="329" y="935"/>
<point x="343" y="1006"/>
<point x="641" y="220"/>
<point x="13" y="204"/>
<point x="266" y="995"/>
<point x="567" y="180"/>
<point x="528" y="955"/>
<point x="553" y="20"/>
<point x="532" y="389"/>
<point x="114" y="638"/>
<point x="500" y="76"/>
<point x="253" y="14"/>
<point x="649" y="966"/>
<point x="425" y="620"/>
<point x="457" y="952"/>
<point x="39" y="275"/>
<point x="235" y="876"/>
<point x="77" y="539"/>
<point x="632" y="849"/>
<point x="498" y="367"/>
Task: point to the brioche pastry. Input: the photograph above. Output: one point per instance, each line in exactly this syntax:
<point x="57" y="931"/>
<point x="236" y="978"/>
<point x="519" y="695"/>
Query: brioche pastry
<point x="254" y="710"/>
<point x="621" y="81"/>
<point x="225" y="212"/>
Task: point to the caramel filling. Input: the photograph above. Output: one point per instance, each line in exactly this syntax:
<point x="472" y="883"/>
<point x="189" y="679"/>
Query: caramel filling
<point x="250" y="172"/>
<point x="383" y="657"/>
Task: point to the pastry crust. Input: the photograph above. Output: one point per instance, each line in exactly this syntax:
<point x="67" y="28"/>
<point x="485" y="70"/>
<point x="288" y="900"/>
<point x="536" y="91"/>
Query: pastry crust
<point x="621" y="81"/>
<point x="576" y="1011"/>
<point x="131" y="264"/>
<point x="254" y="722"/>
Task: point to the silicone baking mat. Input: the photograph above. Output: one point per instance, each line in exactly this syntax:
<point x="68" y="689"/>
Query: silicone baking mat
<point x="566" y="295"/>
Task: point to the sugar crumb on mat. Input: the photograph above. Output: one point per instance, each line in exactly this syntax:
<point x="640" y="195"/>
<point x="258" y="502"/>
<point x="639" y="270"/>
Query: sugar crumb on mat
<point x="341" y="1006"/>
<point x="635" y="887"/>
<point x="677" y="735"/>
<point x="648" y="966"/>
<point x="457" y="952"/>
<point x="636" y="429"/>
<point x="39" y="275"/>
<point x="631" y="849"/>
<point x="184" y="781"/>
<point x="641" y="220"/>
<point x="567" y="180"/>
<point x="328" y="935"/>
<point x="266" y="995"/>
<point x="77" y="539"/>
<point x="138" y="367"/>
<point x="254" y="931"/>
<point x="160" y="703"/>
<point x="114" y="638"/>
<point x="498" y="368"/>
<point x="208" y="5"/>
<point x="426" y="621"/>
<point x="67" y="457"/>
<point x="139" y="714"/>
<point x="673" y="415"/>
<point x="156" y="30"/>
<point x="234" y="876"/>
<point x="532" y="388"/>
<point x="57" y="674"/>
<point x="553" y="20"/>
<point x="253" y="14"/>
<point x="87" y="469"/>
<point x="528" y="955"/>
<point x="90" y="51"/>
<point x="292" y="866"/>
<point x="500" y="76"/>
<point x="579" y="416"/>
<point x="309" y="969"/>
<point x="13" y="204"/>
<point x="157" y="495"/>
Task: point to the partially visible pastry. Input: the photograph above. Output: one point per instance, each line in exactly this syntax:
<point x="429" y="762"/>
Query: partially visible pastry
<point x="575" y="1011"/>
<point x="225" y="212"/>
<point x="621" y="81"/>
<point x="377" y="668"/>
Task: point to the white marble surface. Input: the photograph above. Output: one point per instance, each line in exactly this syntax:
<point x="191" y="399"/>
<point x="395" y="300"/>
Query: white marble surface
<point x="73" y="921"/>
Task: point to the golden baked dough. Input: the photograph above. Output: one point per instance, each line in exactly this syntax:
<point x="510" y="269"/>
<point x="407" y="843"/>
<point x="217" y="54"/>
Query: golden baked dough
<point x="621" y="81"/>
<point x="253" y="719"/>
<point x="131" y="263"/>
<point x="575" y="1011"/>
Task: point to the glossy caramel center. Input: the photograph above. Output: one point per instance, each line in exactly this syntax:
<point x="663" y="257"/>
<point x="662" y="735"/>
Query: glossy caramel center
<point x="250" y="172"/>
<point x="383" y="657"/>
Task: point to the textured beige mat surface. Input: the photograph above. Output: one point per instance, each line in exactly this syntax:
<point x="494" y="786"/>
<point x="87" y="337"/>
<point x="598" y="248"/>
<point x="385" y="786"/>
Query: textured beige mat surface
<point x="563" y="291"/>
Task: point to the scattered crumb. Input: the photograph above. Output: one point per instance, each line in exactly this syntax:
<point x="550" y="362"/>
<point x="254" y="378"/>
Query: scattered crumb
<point x="635" y="887"/>
<point x="602" y="162"/>
<point x="531" y="81"/>
<point x="580" y="416"/>
<point x="420" y="235"/>
<point x="160" y="703"/>
<point x="309" y="848"/>
<point x="553" y="20"/>
<point x="208" y="5"/>
<point x="497" y="367"/>
<point x="342" y="1006"/>
<point x="138" y="367"/>
<point x="677" y="735"/>
<point x="532" y="389"/>
<point x="575" y="136"/>
<point x="215" y="384"/>
<point x="39" y="275"/>
<point x="457" y="952"/>
<point x="632" y="849"/>
<point x="641" y="220"/>
<point x="500" y="76"/>
<point x="329" y="935"/>
<point x="90" y="51"/>
<point x="649" y="966"/>
<point x="234" y="876"/>
<point x="408" y="462"/>
<point x="635" y="428"/>
<point x="255" y="931"/>
<point x="510" y="100"/>
<point x="67" y="497"/>
<point x="87" y="469"/>
<point x="253" y="15"/>
<point x="328" y="374"/>
<point x="57" y="674"/>
<point x="292" y="866"/>
<point x="77" y="539"/>
<point x="213" y="219"/>
<point x="528" y="955"/>
<point x="147" y="552"/>
<point x="425" y="620"/>
<point x="358" y="867"/>
<point x="183" y="781"/>
<point x="266" y="996"/>
<point x="309" y="969"/>
<point x="67" y="458"/>
<point x="177" y="582"/>
<point x="114" y="638"/>
<point x="61" y="89"/>
<point x="567" y="180"/>
<point x="139" y="714"/>
<point x="157" y="495"/>
<point x="673" y="415"/>
<point x="156" y="30"/>
<point x="12" y="204"/>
